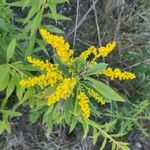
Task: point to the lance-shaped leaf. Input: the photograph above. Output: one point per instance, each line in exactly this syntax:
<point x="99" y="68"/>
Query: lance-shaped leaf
<point x="103" y="89"/>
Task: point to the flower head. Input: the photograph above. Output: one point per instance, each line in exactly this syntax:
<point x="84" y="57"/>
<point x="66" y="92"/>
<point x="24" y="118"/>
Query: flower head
<point x="50" y="77"/>
<point x="117" y="73"/>
<point x="104" y="51"/>
<point x="61" y="47"/>
<point x="88" y="52"/>
<point x="96" y="96"/>
<point x="84" y="104"/>
<point x="63" y="91"/>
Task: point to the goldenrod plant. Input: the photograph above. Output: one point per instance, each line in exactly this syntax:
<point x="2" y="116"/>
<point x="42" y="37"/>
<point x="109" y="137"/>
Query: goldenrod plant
<point x="67" y="87"/>
<point x="19" y="22"/>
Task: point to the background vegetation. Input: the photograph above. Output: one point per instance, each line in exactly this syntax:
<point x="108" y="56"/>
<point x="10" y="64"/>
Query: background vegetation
<point x="83" y="23"/>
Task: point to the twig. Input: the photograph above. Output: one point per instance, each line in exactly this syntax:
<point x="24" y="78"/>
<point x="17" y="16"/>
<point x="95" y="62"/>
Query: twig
<point x="82" y="20"/>
<point x="136" y="64"/>
<point x="83" y="42"/>
<point x="119" y="19"/>
<point x="97" y="25"/>
<point x="76" y="23"/>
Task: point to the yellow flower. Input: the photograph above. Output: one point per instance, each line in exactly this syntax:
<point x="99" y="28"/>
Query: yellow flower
<point x="39" y="63"/>
<point x="88" y="52"/>
<point x="116" y="73"/>
<point x="104" y="51"/>
<point x="84" y="104"/>
<point x="100" y="52"/>
<point x="30" y="82"/>
<point x="96" y="96"/>
<point x="58" y="43"/>
<point x="52" y="76"/>
<point x="63" y="91"/>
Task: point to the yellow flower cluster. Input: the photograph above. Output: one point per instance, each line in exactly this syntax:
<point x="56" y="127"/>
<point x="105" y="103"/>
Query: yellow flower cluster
<point x="63" y="91"/>
<point x="58" y="43"/>
<point x="84" y="104"/>
<point x="100" y="52"/>
<point x="51" y="77"/>
<point x="39" y="63"/>
<point x="30" y="82"/>
<point x="117" y="73"/>
<point x="96" y="96"/>
<point x="104" y="51"/>
<point x="88" y="52"/>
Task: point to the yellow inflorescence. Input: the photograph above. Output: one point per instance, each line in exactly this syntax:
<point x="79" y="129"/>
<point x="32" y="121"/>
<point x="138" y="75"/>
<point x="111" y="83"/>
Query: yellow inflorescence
<point x="84" y="104"/>
<point x="30" y="82"/>
<point x="58" y="43"/>
<point x="39" y="63"/>
<point x="96" y="96"/>
<point x="104" y="51"/>
<point x="100" y="52"/>
<point x="117" y="73"/>
<point x="63" y="91"/>
<point x="88" y="52"/>
<point x="51" y="77"/>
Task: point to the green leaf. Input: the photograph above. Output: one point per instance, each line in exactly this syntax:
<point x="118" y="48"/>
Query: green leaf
<point x="103" y="144"/>
<point x="103" y="89"/>
<point x="61" y="1"/>
<point x="27" y="67"/>
<point x="34" y="115"/>
<point x="17" y="4"/>
<point x="85" y="125"/>
<point x="4" y="25"/>
<point x="2" y="127"/>
<point x="7" y="123"/>
<point x="79" y="63"/>
<point x="35" y="23"/>
<point x="68" y="106"/>
<point x="73" y="124"/>
<point x="95" y="135"/>
<point x="34" y="9"/>
<point x="10" y="113"/>
<point x="26" y="3"/>
<point x="20" y="92"/>
<point x="52" y="4"/>
<point x="96" y="69"/>
<point x="47" y="92"/>
<point x="50" y="109"/>
<point x="93" y="109"/>
<point x="4" y="71"/>
<point x="57" y="17"/>
<point x="11" y="86"/>
<point x="113" y="147"/>
<point x="42" y="46"/>
<point x="11" y="49"/>
<point x="54" y="29"/>
<point x="30" y="92"/>
<point x="30" y="48"/>
<point x="62" y="67"/>
<point x="4" y="83"/>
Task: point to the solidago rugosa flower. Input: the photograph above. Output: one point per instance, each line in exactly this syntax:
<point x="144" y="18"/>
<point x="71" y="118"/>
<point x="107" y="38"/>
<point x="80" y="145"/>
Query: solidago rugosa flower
<point x="63" y="91"/>
<point x="53" y="75"/>
<point x="84" y="104"/>
<point x="104" y="51"/>
<point x="97" y="96"/>
<point x="88" y="52"/>
<point x="61" y="47"/>
<point x="100" y="52"/>
<point x="118" y="74"/>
